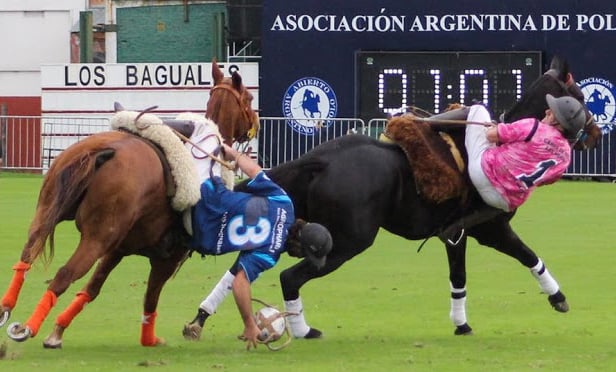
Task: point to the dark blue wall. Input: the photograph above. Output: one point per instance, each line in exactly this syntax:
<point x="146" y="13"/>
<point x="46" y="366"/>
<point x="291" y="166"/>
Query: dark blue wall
<point x="291" y="55"/>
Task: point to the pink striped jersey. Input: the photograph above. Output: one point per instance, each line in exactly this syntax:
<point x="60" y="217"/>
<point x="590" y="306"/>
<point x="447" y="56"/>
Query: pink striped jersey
<point x="529" y="154"/>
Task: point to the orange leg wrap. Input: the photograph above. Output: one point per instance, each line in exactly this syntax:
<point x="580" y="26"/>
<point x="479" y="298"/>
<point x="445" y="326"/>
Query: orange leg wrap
<point x="10" y="297"/>
<point x="41" y="311"/>
<point x="148" y="337"/>
<point x="67" y="316"/>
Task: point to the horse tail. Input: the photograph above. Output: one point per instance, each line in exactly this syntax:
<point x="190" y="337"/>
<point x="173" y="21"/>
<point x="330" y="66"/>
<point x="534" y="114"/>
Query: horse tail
<point x="65" y="184"/>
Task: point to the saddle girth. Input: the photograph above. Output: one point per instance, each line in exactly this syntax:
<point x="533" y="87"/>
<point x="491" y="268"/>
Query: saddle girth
<point x="168" y="177"/>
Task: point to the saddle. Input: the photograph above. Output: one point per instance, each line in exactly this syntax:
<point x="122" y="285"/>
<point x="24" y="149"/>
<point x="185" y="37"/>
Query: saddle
<point x="183" y="171"/>
<point x="437" y="164"/>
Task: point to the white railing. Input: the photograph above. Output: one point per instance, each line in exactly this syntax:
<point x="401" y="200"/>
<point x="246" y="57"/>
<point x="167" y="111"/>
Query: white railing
<point x="599" y="162"/>
<point x="281" y="139"/>
<point x="32" y="142"/>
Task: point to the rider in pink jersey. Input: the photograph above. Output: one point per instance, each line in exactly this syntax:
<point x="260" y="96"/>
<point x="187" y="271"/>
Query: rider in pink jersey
<point x="506" y="162"/>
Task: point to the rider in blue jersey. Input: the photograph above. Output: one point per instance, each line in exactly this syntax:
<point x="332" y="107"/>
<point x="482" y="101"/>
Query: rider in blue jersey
<point x="256" y="224"/>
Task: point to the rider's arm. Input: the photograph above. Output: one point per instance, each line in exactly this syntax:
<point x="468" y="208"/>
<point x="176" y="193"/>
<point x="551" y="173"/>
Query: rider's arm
<point x="243" y="161"/>
<point x="492" y="134"/>
<point x="243" y="300"/>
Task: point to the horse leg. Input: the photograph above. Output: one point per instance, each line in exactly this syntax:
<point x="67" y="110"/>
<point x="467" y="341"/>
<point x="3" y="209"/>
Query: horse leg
<point x="501" y="237"/>
<point x="9" y="300"/>
<point x="77" y="266"/>
<point x="161" y="270"/>
<point x="456" y="256"/>
<point x="12" y="293"/>
<point x="88" y="294"/>
<point x="293" y="278"/>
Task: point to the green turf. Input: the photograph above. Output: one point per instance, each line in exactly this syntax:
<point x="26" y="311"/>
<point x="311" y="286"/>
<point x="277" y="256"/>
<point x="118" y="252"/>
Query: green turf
<point x="387" y="309"/>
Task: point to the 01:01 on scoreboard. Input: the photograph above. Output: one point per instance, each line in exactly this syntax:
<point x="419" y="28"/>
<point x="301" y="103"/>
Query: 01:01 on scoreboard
<point x="389" y="81"/>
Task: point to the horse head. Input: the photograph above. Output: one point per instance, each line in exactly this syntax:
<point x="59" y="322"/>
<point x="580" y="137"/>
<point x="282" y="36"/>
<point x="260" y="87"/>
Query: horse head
<point x="559" y="82"/>
<point x="230" y="106"/>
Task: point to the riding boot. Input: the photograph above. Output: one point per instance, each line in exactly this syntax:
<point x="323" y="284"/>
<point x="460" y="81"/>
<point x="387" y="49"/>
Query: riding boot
<point x="192" y="331"/>
<point x="202" y="315"/>
<point x="184" y="127"/>
<point x="454" y="233"/>
<point x="455" y="114"/>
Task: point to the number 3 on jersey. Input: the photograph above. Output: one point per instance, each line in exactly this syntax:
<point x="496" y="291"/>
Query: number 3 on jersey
<point x="240" y="233"/>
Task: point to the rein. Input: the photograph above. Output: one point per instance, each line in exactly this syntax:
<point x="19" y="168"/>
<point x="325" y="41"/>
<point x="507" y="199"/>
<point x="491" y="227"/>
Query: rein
<point x="182" y="137"/>
<point x="452" y="121"/>
<point x="207" y="153"/>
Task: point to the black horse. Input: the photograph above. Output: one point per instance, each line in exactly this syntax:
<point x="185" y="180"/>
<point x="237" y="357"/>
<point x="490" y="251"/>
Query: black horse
<point x="355" y="185"/>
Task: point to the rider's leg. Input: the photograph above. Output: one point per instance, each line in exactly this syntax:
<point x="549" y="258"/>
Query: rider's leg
<point x="208" y="307"/>
<point x="476" y="144"/>
<point x="453" y="233"/>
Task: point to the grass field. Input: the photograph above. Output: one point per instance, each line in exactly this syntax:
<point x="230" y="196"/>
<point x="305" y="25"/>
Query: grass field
<point x="385" y="310"/>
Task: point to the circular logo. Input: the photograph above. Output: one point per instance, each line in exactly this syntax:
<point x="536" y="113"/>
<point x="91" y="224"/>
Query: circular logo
<point x="600" y="97"/>
<point x="308" y="103"/>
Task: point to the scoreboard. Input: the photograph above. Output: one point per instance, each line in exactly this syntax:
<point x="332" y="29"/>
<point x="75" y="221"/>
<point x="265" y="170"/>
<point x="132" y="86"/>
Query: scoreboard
<point x="387" y="81"/>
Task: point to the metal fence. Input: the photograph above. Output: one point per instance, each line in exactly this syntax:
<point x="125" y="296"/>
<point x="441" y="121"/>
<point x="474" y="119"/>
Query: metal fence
<point x="31" y="143"/>
<point x="599" y="162"/>
<point x="280" y="139"/>
<point x="20" y="142"/>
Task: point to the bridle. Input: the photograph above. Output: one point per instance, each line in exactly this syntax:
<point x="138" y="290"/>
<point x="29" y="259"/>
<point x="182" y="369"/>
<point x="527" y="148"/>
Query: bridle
<point x="571" y="87"/>
<point x="245" y="109"/>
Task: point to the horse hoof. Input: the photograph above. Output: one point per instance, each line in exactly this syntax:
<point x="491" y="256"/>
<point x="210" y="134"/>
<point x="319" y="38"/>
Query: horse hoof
<point x="463" y="330"/>
<point x="313" y="333"/>
<point x="54" y="340"/>
<point x="559" y="302"/>
<point x="4" y="317"/>
<point x="52" y="344"/>
<point x="192" y="332"/>
<point x="18" y="333"/>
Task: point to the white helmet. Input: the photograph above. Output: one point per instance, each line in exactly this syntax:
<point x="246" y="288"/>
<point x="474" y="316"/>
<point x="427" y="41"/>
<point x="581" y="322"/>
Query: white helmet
<point x="570" y="115"/>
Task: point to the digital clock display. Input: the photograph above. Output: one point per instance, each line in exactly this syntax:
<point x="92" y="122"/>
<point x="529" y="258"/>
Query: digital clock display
<point x="388" y="81"/>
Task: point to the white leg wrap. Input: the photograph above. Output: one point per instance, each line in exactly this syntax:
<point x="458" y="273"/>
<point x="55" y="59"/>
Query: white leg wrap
<point x="218" y="294"/>
<point x="547" y="283"/>
<point x="297" y="323"/>
<point x="458" y="306"/>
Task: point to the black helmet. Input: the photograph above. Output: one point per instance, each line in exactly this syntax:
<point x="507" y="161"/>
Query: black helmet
<point x="316" y="243"/>
<point x="570" y="114"/>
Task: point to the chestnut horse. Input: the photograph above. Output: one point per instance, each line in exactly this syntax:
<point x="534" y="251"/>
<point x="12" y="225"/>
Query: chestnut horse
<point x="355" y="185"/>
<point x="118" y="188"/>
<point x="235" y="125"/>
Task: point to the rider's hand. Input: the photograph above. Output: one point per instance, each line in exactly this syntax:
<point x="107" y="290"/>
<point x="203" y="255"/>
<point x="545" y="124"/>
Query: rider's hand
<point x="229" y="152"/>
<point x="251" y="336"/>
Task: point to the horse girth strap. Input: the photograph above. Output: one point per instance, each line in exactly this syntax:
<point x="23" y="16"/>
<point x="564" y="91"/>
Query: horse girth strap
<point x="168" y="177"/>
<point x="455" y="152"/>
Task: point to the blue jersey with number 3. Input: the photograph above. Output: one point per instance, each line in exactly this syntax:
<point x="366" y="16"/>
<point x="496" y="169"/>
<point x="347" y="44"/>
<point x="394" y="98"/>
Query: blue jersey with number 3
<point x="254" y="223"/>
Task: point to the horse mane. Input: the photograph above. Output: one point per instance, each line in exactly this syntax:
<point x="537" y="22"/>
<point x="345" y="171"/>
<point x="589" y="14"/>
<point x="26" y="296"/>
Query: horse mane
<point x="534" y="105"/>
